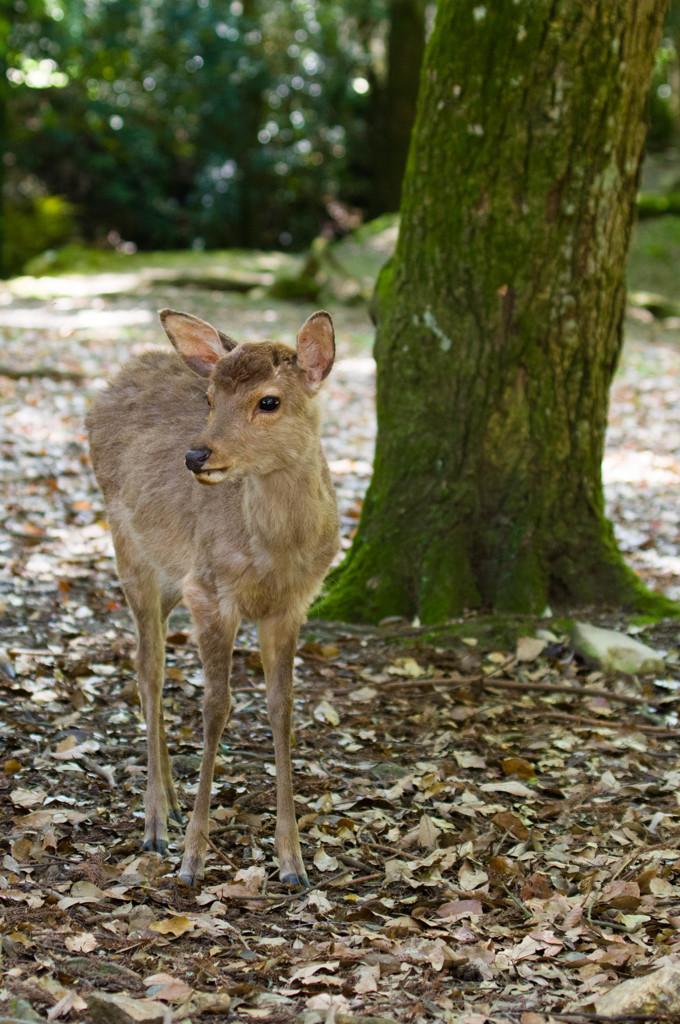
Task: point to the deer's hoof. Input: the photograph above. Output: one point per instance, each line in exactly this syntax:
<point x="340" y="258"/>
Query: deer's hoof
<point x="189" y="877"/>
<point x="191" y="870"/>
<point x="154" y="846"/>
<point x="294" y="878"/>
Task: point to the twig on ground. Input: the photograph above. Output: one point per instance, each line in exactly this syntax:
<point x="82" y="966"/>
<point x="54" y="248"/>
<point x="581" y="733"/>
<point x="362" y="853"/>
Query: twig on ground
<point x="659" y="731"/>
<point x="49" y="372"/>
<point x="630" y="859"/>
<point x="97" y="769"/>
<point x="389" y="849"/>
<point x="525" y="910"/>
<point x="287" y="897"/>
<point x="577" y="691"/>
<point x="351" y="862"/>
<point x="448" y="681"/>
<point x="358" y="881"/>
<point x="215" y="849"/>
<point x="578" y="1016"/>
<point x="484" y="682"/>
<point x="231" y="828"/>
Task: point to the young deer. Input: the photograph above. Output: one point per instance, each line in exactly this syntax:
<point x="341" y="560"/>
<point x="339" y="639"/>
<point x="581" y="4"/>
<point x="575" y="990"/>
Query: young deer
<point x="256" y="544"/>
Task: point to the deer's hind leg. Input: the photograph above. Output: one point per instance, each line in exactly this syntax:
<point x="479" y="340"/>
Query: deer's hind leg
<point x="150" y="608"/>
<point x="169" y="599"/>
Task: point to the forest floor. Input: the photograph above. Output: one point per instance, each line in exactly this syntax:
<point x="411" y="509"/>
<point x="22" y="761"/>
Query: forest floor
<point x="481" y="847"/>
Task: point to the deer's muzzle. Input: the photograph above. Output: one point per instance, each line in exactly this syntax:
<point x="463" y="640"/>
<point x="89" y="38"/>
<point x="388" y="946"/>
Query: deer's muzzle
<point x="196" y="459"/>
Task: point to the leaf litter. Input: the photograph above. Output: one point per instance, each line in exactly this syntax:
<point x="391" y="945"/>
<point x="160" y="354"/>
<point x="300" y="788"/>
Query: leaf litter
<point x="491" y="834"/>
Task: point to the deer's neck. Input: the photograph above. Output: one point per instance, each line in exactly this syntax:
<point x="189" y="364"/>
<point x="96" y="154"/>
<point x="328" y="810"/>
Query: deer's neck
<point x="283" y="509"/>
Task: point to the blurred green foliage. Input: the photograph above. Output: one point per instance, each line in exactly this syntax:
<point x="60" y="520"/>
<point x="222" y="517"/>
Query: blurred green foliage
<point x="663" y="95"/>
<point x="204" y="123"/>
<point x="215" y="123"/>
<point x="33" y="224"/>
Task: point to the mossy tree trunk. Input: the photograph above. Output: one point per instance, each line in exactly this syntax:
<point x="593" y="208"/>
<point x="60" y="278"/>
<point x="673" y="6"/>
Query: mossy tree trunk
<point x="500" y="316"/>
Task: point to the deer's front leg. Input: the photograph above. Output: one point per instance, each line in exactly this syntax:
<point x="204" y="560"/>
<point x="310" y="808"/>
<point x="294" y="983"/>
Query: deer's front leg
<point x="216" y="635"/>
<point x="278" y="640"/>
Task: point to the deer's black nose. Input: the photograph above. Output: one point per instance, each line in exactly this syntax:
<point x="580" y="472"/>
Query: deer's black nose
<point x="196" y="459"/>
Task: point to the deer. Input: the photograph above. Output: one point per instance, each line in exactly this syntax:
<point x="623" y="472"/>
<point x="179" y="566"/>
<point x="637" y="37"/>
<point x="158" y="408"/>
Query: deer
<point x="218" y="494"/>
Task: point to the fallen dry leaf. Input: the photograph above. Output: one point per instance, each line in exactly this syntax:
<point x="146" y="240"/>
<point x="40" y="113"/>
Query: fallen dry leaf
<point x="27" y="797"/>
<point x="85" y="942"/>
<point x="172" y="926"/>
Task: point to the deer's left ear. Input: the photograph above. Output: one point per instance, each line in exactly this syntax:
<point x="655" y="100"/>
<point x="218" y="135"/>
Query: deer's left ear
<point x="316" y="347"/>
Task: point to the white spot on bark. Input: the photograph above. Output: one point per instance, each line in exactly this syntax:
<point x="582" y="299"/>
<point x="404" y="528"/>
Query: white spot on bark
<point x="479" y="13"/>
<point x="430" y="322"/>
<point x="521" y="34"/>
<point x="556" y="110"/>
<point x="457" y="90"/>
<point x="475" y="129"/>
<point x="610" y="177"/>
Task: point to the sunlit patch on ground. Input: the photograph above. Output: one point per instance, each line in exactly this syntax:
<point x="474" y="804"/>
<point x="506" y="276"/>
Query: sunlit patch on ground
<point x="641" y="469"/>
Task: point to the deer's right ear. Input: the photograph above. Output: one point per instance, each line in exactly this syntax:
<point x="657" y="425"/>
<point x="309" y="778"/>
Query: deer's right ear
<point x="199" y="344"/>
<point x="316" y="347"/>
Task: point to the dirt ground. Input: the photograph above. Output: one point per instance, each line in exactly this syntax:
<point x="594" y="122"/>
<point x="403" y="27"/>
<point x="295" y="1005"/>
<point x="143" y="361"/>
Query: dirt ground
<point x="490" y="824"/>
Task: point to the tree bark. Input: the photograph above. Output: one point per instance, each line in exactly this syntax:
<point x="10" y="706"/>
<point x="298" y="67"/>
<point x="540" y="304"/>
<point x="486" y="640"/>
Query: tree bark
<point x="500" y="317"/>
<point x="396" y="103"/>
<point x="4" y="87"/>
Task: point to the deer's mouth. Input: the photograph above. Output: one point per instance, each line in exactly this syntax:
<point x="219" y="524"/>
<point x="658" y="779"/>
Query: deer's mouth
<point x="212" y="476"/>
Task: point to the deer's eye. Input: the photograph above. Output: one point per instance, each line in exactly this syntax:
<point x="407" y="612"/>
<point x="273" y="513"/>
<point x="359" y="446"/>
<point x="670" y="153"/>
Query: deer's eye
<point x="269" y="403"/>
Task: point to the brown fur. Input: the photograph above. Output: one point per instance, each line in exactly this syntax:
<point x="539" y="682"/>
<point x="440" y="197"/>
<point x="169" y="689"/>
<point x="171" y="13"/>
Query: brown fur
<point x="257" y="543"/>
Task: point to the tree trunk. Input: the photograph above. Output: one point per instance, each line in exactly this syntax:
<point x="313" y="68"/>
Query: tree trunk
<point x="500" y="317"/>
<point x="4" y="86"/>
<point x="396" y="103"/>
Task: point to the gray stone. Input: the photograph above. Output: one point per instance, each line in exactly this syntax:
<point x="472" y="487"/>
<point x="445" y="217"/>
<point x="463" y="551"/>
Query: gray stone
<point x="616" y="652"/>
<point x="657" y="993"/>
<point x="117" y="1008"/>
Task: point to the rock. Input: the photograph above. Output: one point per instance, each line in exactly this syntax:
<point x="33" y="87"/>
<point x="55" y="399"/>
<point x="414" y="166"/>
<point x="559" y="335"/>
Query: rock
<point x="658" y="305"/>
<point x="117" y="1008"/>
<point x="655" y="994"/>
<point x="616" y="652"/>
<point x="211" y="1002"/>
<point x="21" y="1009"/>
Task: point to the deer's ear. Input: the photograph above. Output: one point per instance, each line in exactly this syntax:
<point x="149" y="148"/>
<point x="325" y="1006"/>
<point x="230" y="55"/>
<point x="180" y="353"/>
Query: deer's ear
<point x="199" y="344"/>
<point x="316" y="347"/>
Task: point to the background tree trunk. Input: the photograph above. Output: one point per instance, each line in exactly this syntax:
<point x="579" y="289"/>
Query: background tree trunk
<point x="4" y="88"/>
<point x="396" y="104"/>
<point x="500" y="316"/>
